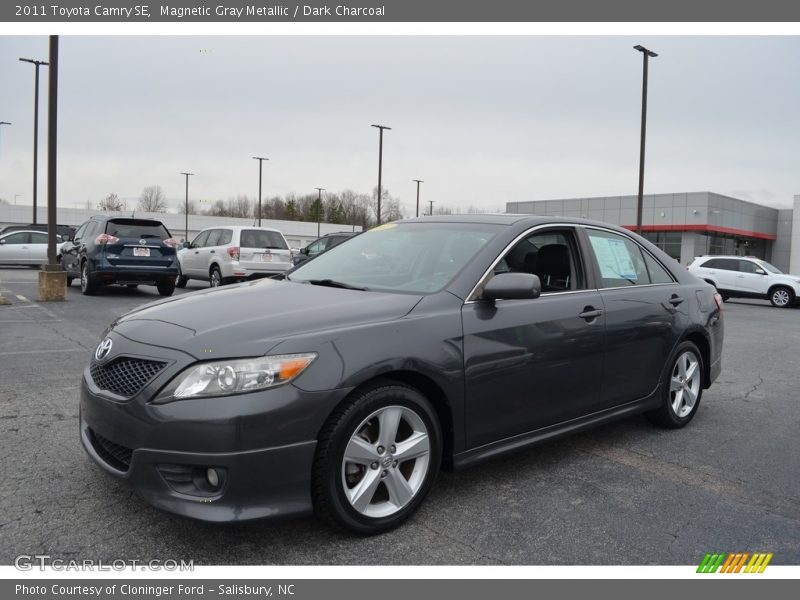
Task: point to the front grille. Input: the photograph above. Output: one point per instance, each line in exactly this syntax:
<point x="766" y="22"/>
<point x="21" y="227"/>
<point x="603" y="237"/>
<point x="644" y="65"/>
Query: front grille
<point x="115" y="455"/>
<point x="125" y="376"/>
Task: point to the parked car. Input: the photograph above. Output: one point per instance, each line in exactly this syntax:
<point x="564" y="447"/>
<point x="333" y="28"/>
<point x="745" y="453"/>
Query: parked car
<point x="67" y="232"/>
<point x="320" y="245"/>
<point x="460" y="339"/>
<point x="747" y="277"/>
<point x="126" y="251"/>
<point x="223" y="255"/>
<point x="24" y="248"/>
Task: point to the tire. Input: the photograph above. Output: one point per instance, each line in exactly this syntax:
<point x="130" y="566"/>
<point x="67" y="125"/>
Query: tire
<point x="726" y="298"/>
<point x="166" y="288"/>
<point x="781" y="296"/>
<point x="181" y="281"/>
<point x="215" y="277"/>
<point x="681" y="396"/>
<point x="69" y="277"/>
<point x="349" y="453"/>
<point x="88" y="284"/>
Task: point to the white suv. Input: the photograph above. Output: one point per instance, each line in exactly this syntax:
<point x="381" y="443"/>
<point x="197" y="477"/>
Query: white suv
<point x="747" y="277"/>
<point x="222" y="255"/>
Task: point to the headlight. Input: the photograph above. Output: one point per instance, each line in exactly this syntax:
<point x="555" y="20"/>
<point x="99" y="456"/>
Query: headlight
<point x="228" y="377"/>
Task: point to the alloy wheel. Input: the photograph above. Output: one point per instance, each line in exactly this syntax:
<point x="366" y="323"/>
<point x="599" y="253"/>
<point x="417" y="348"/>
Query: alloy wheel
<point x="684" y="386"/>
<point x="84" y="277"/>
<point x="780" y="297"/>
<point x="216" y="279"/>
<point x="386" y="461"/>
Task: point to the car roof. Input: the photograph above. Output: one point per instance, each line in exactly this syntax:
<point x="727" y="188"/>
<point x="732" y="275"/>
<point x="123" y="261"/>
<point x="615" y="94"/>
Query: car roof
<point x="515" y="220"/>
<point x="240" y="227"/>
<point x="5" y="233"/>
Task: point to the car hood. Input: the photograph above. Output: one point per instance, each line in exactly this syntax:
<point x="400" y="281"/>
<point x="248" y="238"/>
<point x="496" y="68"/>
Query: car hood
<point x="251" y="318"/>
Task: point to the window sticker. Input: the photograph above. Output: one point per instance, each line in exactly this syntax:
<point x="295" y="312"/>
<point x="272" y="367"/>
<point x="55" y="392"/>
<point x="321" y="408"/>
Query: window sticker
<point x="614" y="259"/>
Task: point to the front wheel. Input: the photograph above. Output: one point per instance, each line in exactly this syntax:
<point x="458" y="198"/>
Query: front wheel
<point x="681" y="395"/>
<point x="377" y="459"/>
<point x="782" y="297"/>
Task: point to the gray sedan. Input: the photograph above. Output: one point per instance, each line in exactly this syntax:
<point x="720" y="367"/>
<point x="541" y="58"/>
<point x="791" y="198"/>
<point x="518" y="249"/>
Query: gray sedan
<point x="419" y="345"/>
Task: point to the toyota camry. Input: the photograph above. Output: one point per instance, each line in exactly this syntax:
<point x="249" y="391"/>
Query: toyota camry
<point x="419" y="345"/>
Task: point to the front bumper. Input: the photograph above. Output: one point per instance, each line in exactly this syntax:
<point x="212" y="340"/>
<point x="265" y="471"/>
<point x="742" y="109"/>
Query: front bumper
<point x="261" y="445"/>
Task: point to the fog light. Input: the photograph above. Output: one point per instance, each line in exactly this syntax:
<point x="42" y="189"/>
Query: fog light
<point x="212" y="477"/>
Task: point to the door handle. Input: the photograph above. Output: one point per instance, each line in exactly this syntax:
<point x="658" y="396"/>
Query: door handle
<point x="212" y="252"/>
<point x="675" y="300"/>
<point x="740" y="277"/>
<point x="197" y="251"/>
<point x="590" y="313"/>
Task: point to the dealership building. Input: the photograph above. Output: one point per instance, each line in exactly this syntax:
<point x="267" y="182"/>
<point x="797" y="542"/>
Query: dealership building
<point x="686" y="225"/>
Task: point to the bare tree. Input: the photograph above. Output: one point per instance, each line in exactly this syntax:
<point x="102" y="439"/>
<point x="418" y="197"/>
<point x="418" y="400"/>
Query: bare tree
<point x="152" y="200"/>
<point x="188" y="208"/>
<point x="112" y="202"/>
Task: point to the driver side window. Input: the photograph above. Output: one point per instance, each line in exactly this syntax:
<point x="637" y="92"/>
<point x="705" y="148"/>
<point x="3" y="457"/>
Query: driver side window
<point x="550" y="255"/>
<point x="200" y="240"/>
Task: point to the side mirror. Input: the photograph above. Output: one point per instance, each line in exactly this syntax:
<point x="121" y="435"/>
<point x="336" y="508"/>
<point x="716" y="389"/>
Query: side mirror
<point x="513" y="286"/>
<point x="187" y="244"/>
<point x="304" y="251"/>
<point x="2" y="242"/>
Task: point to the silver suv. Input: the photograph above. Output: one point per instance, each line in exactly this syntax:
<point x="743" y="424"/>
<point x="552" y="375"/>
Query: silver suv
<point x="747" y="277"/>
<point x="229" y="254"/>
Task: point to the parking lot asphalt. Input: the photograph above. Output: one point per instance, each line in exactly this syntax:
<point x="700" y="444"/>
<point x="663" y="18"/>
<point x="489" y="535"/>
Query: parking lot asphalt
<point x="626" y="493"/>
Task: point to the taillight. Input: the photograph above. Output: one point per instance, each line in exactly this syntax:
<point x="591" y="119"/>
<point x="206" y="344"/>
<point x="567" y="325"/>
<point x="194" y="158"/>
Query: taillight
<point x="171" y="242"/>
<point x="104" y="239"/>
<point x="718" y="301"/>
<point x="233" y="252"/>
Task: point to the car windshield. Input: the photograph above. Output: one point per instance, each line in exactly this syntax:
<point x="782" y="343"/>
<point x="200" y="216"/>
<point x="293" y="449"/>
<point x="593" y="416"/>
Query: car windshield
<point x="258" y="238"/>
<point x="417" y="258"/>
<point x="770" y="268"/>
<point x="132" y="228"/>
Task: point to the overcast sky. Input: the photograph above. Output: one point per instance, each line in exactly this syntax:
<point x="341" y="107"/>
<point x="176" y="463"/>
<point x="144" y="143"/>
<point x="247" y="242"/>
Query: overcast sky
<point x="482" y="120"/>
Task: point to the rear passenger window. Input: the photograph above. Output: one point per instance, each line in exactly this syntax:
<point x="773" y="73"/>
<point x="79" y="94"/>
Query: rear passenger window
<point x="619" y="259"/>
<point x="213" y="237"/>
<point x="225" y="237"/>
<point x="657" y="272"/>
<point x="38" y="238"/>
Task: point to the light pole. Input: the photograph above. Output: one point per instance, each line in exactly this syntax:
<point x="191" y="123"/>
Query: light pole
<point x="319" y="207"/>
<point x="646" y="55"/>
<point x="380" y="166"/>
<point x="418" y="182"/>
<point x="260" y="160"/>
<point x="37" y="64"/>
<point x="430" y="214"/>
<point x="4" y="123"/>
<point x="186" y="207"/>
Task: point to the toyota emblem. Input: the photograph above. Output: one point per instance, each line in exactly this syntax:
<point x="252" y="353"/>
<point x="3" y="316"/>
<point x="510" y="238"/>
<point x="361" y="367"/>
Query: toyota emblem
<point x="103" y="349"/>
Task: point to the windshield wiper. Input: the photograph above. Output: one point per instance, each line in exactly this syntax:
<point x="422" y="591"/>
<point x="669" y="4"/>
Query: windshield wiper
<point x="336" y="284"/>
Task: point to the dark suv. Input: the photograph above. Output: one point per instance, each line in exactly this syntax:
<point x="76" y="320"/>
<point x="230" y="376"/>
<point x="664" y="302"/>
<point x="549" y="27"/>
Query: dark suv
<point x="320" y="245"/>
<point x="130" y="252"/>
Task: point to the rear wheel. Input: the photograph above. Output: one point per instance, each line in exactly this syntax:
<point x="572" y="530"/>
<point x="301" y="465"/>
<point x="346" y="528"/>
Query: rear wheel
<point x="684" y="388"/>
<point x="377" y="459"/>
<point x="215" y="277"/>
<point x="88" y="284"/>
<point x="166" y="288"/>
<point x="781" y="296"/>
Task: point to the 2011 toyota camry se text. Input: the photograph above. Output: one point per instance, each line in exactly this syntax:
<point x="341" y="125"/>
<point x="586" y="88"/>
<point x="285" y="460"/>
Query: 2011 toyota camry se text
<point x="422" y="344"/>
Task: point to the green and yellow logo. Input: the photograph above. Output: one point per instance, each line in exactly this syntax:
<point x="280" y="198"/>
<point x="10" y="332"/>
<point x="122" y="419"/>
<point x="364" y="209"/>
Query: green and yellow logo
<point x="736" y="562"/>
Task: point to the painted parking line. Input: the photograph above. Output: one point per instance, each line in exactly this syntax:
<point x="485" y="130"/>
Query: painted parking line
<point x="23" y="298"/>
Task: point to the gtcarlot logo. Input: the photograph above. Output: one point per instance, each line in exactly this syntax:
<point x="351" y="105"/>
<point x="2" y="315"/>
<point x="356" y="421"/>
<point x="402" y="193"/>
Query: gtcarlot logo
<point x="734" y="562"/>
<point x="29" y="562"/>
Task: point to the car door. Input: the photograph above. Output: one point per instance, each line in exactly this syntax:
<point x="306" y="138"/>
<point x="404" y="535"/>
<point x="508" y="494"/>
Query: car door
<point x="69" y="254"/>
<point x="752" y="278"/>
<point x="209" y="250"/>
<point x="38" y="248"/>
<point x="646" y="312"/>
<point x="190" y="261"/>
<point x="534" y="362"/>
<point x="14" y="248"/>
<point x="725" y="275"/>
